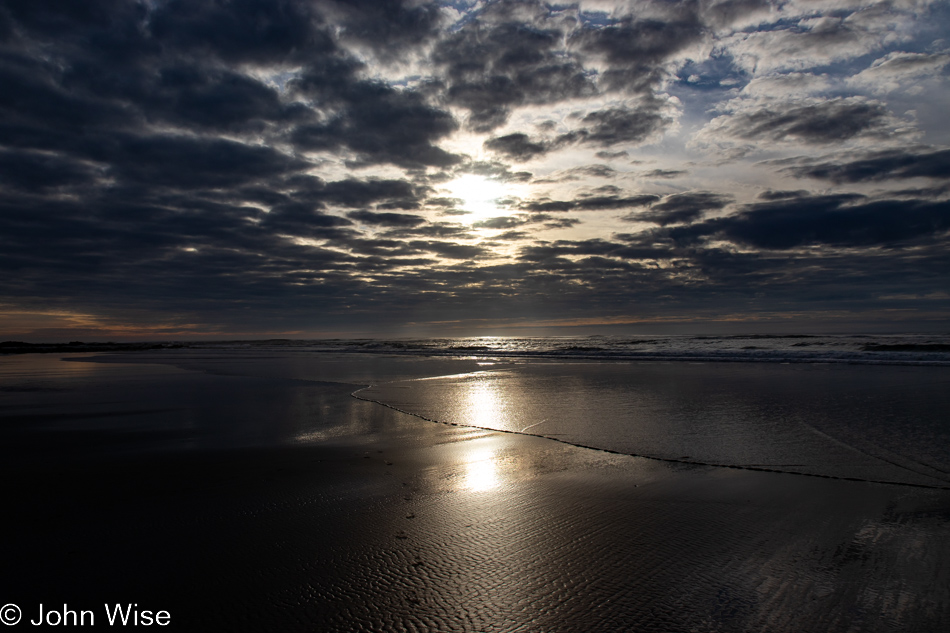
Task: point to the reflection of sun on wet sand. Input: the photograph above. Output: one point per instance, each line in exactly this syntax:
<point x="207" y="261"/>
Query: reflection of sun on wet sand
<point x="481" y="472"/>
<point x="391" y="522"/>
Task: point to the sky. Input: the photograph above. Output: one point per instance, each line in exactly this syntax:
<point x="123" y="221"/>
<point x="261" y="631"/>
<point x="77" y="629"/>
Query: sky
<point x="182" y="169"/>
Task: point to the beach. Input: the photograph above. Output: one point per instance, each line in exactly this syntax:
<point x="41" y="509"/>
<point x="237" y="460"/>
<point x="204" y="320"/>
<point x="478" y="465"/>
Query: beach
<point x="252" y="491"/>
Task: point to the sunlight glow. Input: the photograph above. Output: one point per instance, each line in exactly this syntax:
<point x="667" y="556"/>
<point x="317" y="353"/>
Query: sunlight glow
<point x="485" y="406"/>
<point x="486" y="409"/>
<point x="481" y="471"/>
<point x="478" y="194"/>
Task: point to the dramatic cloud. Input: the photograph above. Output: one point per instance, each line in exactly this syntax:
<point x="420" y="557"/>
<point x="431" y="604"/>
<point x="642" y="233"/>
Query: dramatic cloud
<point x="879" y="166"/>
<point x="516" y="146"/>
<point x="389" y="28"/>
<point x="177" y="168"/>
<point x="636" y="49"/>
<point x="810" y="123"/>
<point x="624" y="125"/>
<point x="840" y="220"/>
<point x="679" y="208"/>
<point x="590" y="203"/>
<point x="380" y="124"/>
<point x="386" y="219"/>
<point x="506" y="60"/>
<point x="601" y="128"/>
<point x="664" y="173"/>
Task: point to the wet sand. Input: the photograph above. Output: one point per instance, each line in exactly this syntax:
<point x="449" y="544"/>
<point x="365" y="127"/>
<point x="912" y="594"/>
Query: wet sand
<point x="270" y="503"/>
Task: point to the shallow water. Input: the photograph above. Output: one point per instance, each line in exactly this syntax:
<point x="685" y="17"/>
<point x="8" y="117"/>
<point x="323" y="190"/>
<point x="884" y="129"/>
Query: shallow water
<point x="55" y="409"/>
<point x="874" y="423"/>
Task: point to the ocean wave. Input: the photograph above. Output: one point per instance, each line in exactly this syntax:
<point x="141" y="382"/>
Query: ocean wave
<point x="892" y="349"/>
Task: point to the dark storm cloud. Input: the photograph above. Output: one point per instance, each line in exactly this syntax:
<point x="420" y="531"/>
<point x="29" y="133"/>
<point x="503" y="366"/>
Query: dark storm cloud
<point x="589" y="203"/>
<point x="451" y="250"/>
<point x="39" y="113"/>
<point x="562" y="223"/>
<point x="514" y="236"/>
<point x="603" y="190"/>
<point x="380" y="124"/>
<point x="164" y="65"/>
<point x="93" y="94"/>
<point x="36" y="171"/>
<point x="102" y="245"/>
<point x="381" y="247"/>
<point x="579" y="173"/>
<point x="496" y="170"/>
<point x="111" y="25"/>
<point x="547" y="205"/>
<point x="191" y="162"/>
<point x="502" y="222"/>
<point x="549" y="252"/>
<point x="643" y="41"/>
<point x="781" y="195"/>
<point x="728" y="11"/>
<point x="820" y="123"/>
<point x="623" y="125"/>
<point x="441" y="230"/>
<point x="517" y="146"/>
<point x="216" y="100"/>
<point x="664" y="173"/>
<point x="386" y="219"/>
<point x="921" y="192"/>
<point x="443" y="202"/>
<point x="880" y="166"/>
<point x="256" y="31"/>
<point x="636" y="49"/>
<point x="387" y="26"/>
<point x="349" y="193"/>
<point x="303" y="220"/>
<point x="492" y="67"/>
<point x="602" y="128"/>
<point x="596" y="203"/>
<point x="596" y="171"/>
<point x="844" y="220"/>
<point x="358" y="193"/>
<point x="681" y="207"/>
<point x="522" y="219"/>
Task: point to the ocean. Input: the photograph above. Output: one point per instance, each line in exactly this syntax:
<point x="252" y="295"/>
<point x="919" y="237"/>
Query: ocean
<point x="903" y="349"/>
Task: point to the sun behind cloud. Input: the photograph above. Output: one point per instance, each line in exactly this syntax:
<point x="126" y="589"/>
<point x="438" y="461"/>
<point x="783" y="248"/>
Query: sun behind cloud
<point x="480" y="196"/>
